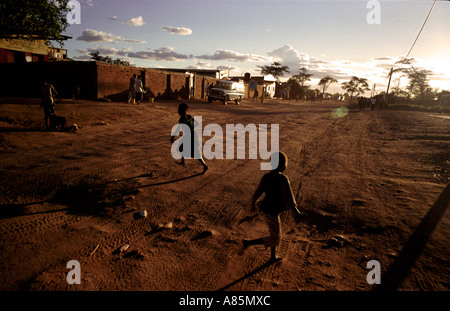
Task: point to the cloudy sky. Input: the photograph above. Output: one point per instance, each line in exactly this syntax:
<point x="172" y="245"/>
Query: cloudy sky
<point x="340" y="38"/>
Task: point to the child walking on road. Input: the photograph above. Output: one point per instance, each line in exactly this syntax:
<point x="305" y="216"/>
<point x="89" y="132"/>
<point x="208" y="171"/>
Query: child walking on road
<point x="189" y="121"/>
<point x="278" y="198"/>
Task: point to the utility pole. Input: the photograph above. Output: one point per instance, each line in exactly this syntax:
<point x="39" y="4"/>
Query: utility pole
<point x="387" y="91"/>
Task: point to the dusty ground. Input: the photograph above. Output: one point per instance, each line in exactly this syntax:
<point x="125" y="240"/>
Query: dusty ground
<point x="377" y="179"/>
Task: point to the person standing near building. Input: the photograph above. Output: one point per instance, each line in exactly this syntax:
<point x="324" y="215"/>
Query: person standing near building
<point x="132" y="89"/>
<point x="207" y="90"/>
<point x="139" y="90"/>
<point x="262" y="94"/>
<point x="48" y="101"/>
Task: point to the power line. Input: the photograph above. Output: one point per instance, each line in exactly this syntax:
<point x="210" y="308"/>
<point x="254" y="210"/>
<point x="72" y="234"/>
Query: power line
<point x="414" y="43"/>
<point x="417" y="37"/>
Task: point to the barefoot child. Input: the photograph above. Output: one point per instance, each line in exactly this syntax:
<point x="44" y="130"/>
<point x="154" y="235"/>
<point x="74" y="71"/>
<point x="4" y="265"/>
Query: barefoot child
<point x="189" y="121"/>
<point x="278" y="198"/>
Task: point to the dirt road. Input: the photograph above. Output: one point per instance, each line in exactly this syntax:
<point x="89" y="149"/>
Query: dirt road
<point x="374" y="186"/>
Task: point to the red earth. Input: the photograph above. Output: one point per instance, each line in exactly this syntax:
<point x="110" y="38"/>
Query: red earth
<point x="374" y="186"/>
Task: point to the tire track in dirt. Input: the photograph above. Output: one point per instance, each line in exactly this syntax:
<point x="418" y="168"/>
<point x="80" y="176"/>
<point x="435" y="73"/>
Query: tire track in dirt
<point x="224" y="213"/>
<point x="106" y="244"/>
<point x="232" y="215"/>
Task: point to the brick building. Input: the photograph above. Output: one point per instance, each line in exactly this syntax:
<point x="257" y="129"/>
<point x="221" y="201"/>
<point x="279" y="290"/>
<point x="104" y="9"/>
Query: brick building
<point x="96" y="80"/>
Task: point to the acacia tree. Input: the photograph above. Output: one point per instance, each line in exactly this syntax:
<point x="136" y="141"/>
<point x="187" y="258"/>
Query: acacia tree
<point x="33" y="19"/>
<point x="276" y="69"/>
<point x="418" y="84"/>
<point x="325" y="82"/>
<point x="355" y="85"/>
<point x="300" y="79"/>
<point x="418" y="87"/>
<point x="303" y="76"/>
<point x="295" y="90"/>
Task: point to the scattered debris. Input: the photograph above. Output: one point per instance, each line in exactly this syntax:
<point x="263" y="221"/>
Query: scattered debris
<point x="121" y="249"/>
<point x="143" y="213"/>
<point x="337" y="241"/>
<point x="168" y="225"/>
<point x="160" y="227"/>
<point x="124" y="248"/>
<point x="95" y="249"/>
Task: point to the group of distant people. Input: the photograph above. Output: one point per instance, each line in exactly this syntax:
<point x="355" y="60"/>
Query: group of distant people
<point x="372" y="102"/>
<point x="135" y="90"/>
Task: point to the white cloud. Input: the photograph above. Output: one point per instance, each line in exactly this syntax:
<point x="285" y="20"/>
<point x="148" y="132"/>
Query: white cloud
<point x="290" y="57"/>
<point x="113" y="18"/>
<point x="82" y="57"/>
<point x="183" y="31"/>
<point x="136" y="22"/>
<point x="106" y="50"/>
<point x="201" y="65"/>
<point x="91" y="35"/>
<point x="87" y="2"/>
<point x="227" y="67"/>
<point x="342" y="69"/>
<point x="164" y="54"/>
<point x="235" y="56"/>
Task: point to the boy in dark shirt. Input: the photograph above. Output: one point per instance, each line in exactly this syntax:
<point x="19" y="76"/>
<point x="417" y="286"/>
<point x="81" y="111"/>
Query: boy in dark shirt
<point x="278" y="198"/>
<point x="189" y="121"/>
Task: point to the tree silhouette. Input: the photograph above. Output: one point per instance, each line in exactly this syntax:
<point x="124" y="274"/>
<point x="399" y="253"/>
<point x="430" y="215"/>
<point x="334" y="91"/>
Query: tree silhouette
<point x="276" y="70"/>
<point x="106" y="59"/>
<point x="356" y="85"/>
<point x="418" y="84"/>
<point x="303" y="76"/>
<point x="300" y="79"/>
<point x="325" y="82"/>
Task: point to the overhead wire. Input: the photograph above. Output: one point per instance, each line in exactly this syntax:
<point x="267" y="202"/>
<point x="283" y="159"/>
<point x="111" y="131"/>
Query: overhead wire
<point x="417" y="37"/>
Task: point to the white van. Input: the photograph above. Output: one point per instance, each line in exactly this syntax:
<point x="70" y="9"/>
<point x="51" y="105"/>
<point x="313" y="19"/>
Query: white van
<point x="227" y="91"/>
